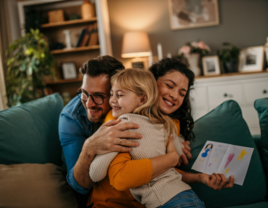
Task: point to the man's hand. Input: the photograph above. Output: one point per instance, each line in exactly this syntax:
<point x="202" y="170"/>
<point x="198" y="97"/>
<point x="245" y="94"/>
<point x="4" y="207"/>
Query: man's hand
<point x="109" y="138"/>
<point x="216" y="181"/>
<point x="187" y="154"/>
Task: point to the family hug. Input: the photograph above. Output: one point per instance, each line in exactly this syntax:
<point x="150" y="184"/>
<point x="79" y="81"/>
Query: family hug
<point x="127" y="132"/>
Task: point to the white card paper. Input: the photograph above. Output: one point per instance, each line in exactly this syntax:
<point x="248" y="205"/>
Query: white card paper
<point x="216" y="157"/>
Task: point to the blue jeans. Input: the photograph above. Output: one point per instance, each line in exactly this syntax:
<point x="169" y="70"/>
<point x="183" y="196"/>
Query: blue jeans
<point x="184" y="199"/>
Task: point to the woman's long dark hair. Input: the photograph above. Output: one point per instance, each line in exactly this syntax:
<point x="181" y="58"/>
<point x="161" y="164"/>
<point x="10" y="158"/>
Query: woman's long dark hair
<point x="183" y="114"/>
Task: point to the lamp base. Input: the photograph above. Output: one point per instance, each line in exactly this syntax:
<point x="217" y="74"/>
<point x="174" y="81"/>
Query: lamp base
<point x="138" y="65"/>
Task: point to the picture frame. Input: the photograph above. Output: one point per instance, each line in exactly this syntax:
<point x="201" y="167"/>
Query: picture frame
<point x="184" y="14"/>
<point x="251" y="59"/>
<point x="211" y="65"/>
<point x="69" y="70"/>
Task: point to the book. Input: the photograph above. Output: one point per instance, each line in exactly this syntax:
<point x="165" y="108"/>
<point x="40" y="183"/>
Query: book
<point x="80" y="37"/>
<point x="94" y="38"/>
<point x="228" y="159"/>
<point x="86" y="36"/>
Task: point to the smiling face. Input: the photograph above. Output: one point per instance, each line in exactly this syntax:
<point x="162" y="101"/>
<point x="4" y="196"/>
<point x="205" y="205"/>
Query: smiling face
<point x="172" y="88"/>
<point x="99" y="85"/>
<point x="123" y="101"/>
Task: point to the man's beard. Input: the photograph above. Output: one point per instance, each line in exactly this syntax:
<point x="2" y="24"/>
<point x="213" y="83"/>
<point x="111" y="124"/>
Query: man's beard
<point x="95" y="118"/>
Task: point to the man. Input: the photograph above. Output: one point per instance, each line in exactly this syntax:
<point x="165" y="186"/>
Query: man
<point x="81" y="134"/>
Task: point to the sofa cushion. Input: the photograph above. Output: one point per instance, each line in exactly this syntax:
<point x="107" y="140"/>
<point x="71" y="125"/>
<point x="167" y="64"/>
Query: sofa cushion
<point x="261" y="105"/>
<point x="226" y="124"/>
<point x="29" y="132"/>
<point x="35" y="185"/>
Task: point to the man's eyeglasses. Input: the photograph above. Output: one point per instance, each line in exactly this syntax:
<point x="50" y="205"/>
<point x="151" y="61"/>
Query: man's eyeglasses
<point x="97" y="99"/>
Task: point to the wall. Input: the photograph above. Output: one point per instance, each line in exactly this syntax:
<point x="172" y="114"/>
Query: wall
<point x="242" y="22"/>
<point x="14" y="19"/>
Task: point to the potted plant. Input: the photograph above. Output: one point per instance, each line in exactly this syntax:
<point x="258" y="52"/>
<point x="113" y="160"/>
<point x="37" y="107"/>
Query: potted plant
<point x="31" y="60"/>
<point x="229" y="57"/>
<point x="192" y="52"/>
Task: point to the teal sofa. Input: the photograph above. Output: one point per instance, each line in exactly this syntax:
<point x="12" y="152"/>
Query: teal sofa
<point x="32" y="173"/>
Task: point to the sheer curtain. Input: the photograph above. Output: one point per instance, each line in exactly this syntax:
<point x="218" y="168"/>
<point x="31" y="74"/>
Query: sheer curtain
<point x="5" y="39"/>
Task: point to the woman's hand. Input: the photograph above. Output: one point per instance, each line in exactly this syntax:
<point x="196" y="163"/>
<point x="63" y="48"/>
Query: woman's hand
<point x="172" y="151"/>
<point x="216" y="181"/>
<point x="187" y="154"/>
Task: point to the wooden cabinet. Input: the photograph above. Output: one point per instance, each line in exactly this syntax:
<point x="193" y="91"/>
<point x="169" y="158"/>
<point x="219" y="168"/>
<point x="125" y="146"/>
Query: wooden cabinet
<point x="54" y="33"/>
<point x="209" y="92"/>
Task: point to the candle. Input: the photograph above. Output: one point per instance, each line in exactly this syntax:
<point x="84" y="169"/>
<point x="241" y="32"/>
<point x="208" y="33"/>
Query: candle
<point x="159" y="51"/>
<point x="150" y="59"/>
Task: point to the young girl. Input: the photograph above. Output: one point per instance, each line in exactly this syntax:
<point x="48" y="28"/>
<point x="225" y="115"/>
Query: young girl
<point x="134" y="98"/>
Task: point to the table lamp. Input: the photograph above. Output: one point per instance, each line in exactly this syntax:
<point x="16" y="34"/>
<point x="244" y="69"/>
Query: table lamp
<point x="136" y="44"/>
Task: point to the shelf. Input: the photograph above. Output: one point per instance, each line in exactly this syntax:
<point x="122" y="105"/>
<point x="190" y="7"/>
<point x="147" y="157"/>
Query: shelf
<point x="232" y="74"/>
<point x="62" y="81"/>
<point x="93" y="47"/>
<point x="69" y="22"/>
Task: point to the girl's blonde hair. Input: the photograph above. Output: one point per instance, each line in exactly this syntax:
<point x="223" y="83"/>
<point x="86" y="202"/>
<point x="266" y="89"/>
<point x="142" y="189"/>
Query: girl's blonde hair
<point x="142" y="83"/>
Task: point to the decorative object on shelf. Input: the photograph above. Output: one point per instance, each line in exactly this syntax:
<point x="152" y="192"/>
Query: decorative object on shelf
<point x="159" y="51"/>
<point x="266" y="52"/>
<point x="191" y="14"/>
<point x="229" y="57"/>
<point x="193" y="61"/>
<point x="251" y="59"/>
<point x="69" y="70"/>
<point x="135" y="45"/>
<point x="56" y="16"/>
<point x="56" y="46"/>
<point x="211" y="65"/>
<point x="87" y="10"/>
<point x="31" y="61"/>
<point x="192" y="52"/>
<point x="67" y="39"/>
<point x="74" y="17"/>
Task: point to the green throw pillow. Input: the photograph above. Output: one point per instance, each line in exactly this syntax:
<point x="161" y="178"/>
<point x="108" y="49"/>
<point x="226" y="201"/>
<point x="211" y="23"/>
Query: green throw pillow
<point x="261" y="105"/>
<point x="226" y="124"/>
<point x="29" y="132"/>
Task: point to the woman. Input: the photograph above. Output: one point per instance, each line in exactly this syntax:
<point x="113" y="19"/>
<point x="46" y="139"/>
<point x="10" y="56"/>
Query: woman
<point x="174" y="80"/>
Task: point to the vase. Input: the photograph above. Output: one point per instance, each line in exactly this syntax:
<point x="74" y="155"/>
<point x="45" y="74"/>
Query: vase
<point x="87" y="10"/>
<point x="193" y="61"/>
<point x="230" y="67"/>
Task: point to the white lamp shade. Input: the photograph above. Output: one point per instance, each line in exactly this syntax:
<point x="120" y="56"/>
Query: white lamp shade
<point x="135" y="44"/>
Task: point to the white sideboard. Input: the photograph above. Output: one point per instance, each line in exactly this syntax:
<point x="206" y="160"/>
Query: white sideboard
<point x="209" y="92"/>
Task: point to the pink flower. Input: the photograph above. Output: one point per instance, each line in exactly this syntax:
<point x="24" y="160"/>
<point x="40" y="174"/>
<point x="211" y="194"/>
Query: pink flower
<point x="185" y="50"/>
<point x="202" y="45"/>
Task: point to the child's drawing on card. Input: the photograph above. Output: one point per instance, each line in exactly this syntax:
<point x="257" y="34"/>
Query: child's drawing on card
<point x="226" y="159"/>
<point x="215" y="157"/>
<point x="207" y="149"/>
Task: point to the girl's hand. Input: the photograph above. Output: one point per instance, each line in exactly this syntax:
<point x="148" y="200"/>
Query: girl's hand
<point x="216" y="181"/>
<point x="171" y="150"/>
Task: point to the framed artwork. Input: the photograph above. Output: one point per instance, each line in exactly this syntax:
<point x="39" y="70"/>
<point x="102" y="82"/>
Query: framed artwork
<point x="251" y="59"/>
<point x="185" y="14"/>
<point x="69" y="70"/>
<point x="211" y="65"/>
